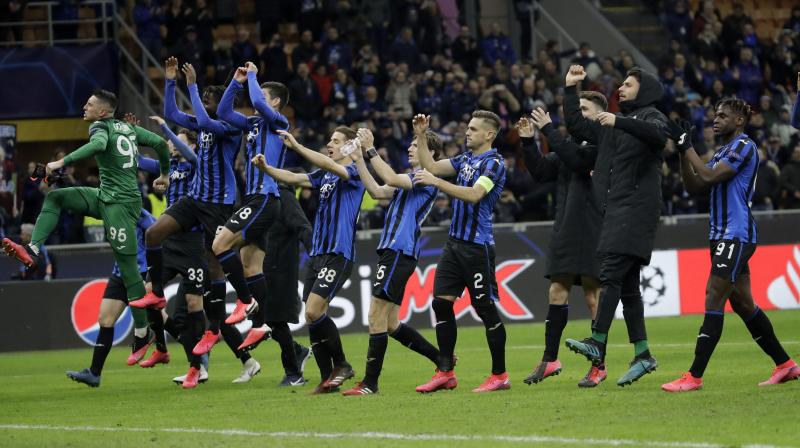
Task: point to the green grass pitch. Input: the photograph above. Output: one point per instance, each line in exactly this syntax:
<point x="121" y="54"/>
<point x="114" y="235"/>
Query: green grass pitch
<point x="137" y="407"/>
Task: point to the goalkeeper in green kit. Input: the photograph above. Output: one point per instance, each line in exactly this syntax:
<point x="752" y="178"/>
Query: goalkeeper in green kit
<point x="118" y="202"/>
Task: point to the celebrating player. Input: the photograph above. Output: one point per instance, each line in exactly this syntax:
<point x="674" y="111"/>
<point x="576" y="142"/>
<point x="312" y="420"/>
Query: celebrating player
<point x="627" y="180"/>
<point x="333" y="251"/>
<point x="573" y="243"/>
<point x="731" y="176"/>
<point x="468" y="259"/>
<point x="398" y="248"/>
<point x="115" y="146"/>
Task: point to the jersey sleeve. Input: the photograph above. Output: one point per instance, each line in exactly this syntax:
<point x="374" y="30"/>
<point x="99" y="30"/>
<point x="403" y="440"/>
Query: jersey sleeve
<point x="738" y="155"/>
<point x="315" y="177"/>
<point x="352" y="171"/>
<point x="492" y="172"/>
<point x="457" y="161"/>
<point x="159" y="145"/>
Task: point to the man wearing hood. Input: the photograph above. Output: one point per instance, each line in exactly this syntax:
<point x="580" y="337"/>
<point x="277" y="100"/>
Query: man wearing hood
<point x="627" y="184"/>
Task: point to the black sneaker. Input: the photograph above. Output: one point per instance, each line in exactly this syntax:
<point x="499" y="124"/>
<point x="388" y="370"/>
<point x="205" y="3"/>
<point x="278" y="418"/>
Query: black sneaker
<point x="293" y="381"/>
<point x="302" y="354"/>
<point x="85" y="376"/>
<point x="593" y="351"/>
<point x="543" y="370"/>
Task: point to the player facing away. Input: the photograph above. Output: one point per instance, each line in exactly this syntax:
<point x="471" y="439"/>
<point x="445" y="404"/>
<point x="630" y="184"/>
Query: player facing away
<point x="627" y="180"/>
<point x="573" y="244"/>
<point x="248" y="227"/>
<point x="115" y="300"/>
<point x="398" y="249"/>
<point x="468" y="258"/>
<point x="183" y="252"/>
<point x="731" y="177"/>
<point x="209" y="203"/>
<point x="333" y="250"/>
<point x="115" y="146"/>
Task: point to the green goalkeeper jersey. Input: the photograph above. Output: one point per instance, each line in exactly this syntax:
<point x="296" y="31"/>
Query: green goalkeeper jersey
<point x="115" y="146"/>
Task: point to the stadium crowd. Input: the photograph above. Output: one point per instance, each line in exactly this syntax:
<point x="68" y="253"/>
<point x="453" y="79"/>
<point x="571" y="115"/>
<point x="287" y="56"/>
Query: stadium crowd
<point x="412" y="57"/>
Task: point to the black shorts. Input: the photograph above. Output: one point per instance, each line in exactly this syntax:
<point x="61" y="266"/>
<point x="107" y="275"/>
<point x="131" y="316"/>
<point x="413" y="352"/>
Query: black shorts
<point x="730" y="258"/>
<point x="325" y="275"/>
<point x="391" y="275"/>
<point x="467" y="265"/>
<point x="116" y="290"/>
<point x="189" y="213"/>
<point x="185" y="255"/>
<point x="254" y="218"/>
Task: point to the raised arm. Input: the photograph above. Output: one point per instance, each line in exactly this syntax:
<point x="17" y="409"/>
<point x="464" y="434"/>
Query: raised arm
<point x="148" y="165"/>
<point x="98" y="138"/>
<point x="320" y="161"/>
<point x="374" y="190"/>
<point x="186" y="152"/>
<point x="578" y="125"/>
<point x="384" y="171"/>
<point x="159" y="145"/>
<point x="699" y="175"/>
<point x="204" y="121"/>
<point x="651" y="131"/>
<point x="491" y="173"/>
<point x="225" y="109"/>
<point x="259" y="102"/>
<point x="171" y="111"/>
<point x="441" y="168"/>
<point x="287" y="177"/>
<point x="578" y="158"/>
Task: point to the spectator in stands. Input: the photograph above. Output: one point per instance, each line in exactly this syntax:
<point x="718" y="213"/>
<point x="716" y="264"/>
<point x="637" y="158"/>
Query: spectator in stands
<point x="148" y="17"/>
<point x="306" y="51"/>
<point x="404" y="50"/>
<point x="204" y="21"/>
<point x="733" y="28"/>
<point x="336" y="53"/>
<point x="679" y="22"/>
<point x="394" y="151"/>
<point x="222" y="63"/>
<point x="790" y="180"/>
<point x="176" y="18"/>
<point x="747" y="77"/>
<point x="11" y="11"/>
<point x="707" y="46"/>
<point x="304" y="97"/>
<point x="465" y="50"/>
<point x="793" y="23"/>
<point x="324" y="82"/>
<point x="501" y="101"/>
<point x="43" y="271"/>
<point x="458" y="102"/>
<point x="190" y="50"/>
<point x="782" y="60"/>
<point x="782" y="129"/>
<point x="243" y="48"/>
<point x="767" y="187"/>
<point x="497" y="46"/>
<point x="706" y="14"/>
<point x="430" y="101"/>
<point x="400" y="95"/>
<point x="588" y="59"/>
<point x="274" y="63"/>
<point x="32" y="197"/>
<point x="343" y="91"/>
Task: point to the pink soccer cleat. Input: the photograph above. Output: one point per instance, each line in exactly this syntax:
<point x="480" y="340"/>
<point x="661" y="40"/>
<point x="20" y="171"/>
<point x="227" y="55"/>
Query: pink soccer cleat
<point x="156" y="357"/>
<point x="494" y="383"/>
<point x="149" y="300"/>
<point x="440" y="381"/>
<point x="686" y="383"/>
<point x="787" y="371"/>
<point x="206" y="343"/>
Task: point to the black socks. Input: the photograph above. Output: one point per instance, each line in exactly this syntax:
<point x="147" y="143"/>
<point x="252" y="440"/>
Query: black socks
<point x="105" y="339"/>
<point x="235" y="272"/>
<point x="414" y="341"/>
<point x="707" y="339"/>
<point x="375" y="354"/>
<point x="446" y="332"/>
<point x="554" y="324"/>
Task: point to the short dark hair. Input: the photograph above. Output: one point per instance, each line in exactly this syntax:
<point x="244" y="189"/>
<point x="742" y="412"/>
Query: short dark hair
<point x="215" y="91"/>
<point x="737" y="105"/>
<point x="347" y="131"/>
<point x="434" y="142"/>
<point x="190" y="134"/>
<point x="489" y="116"/>
<point x="636" y="72"/>
<point x="107" y="97"/>
<point x="277" y="90"/>
<point x="595" y="97"/>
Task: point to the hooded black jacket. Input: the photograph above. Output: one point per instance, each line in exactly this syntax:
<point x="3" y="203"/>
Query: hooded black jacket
<point x="576" y="230"/>
<point x="627" y="173"/>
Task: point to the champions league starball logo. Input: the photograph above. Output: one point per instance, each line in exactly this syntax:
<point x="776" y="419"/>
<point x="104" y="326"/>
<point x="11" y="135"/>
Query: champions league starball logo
<point x="653" y="285"/>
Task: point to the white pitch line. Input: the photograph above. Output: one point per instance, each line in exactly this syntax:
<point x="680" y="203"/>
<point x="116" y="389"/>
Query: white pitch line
<point x="654" y="346"/>
<point x="384" y="436"/>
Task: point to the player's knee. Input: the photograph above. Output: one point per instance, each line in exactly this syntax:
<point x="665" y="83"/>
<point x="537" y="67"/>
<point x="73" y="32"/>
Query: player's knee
<point x="744" y="310"/>
<point x="558" y="294"/>
<point x="219" y="245"/>
<point x="392" y="323"/>
<point x="194" y="303"/>
<point x="106" y="319"/>
<point x="488" y="314"/>
<point x="442" y="308"/>
<point x="378" y="320"/>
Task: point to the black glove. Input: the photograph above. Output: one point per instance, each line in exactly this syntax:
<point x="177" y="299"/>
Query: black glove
<point x="680" y="131"/>
<point x="40" y="173"/>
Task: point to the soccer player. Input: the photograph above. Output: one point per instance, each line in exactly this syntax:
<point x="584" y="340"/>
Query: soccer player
<point x="398" y="249"/>
<point x="261" y="206"/>
<point x="115" y="146"/>
<point x="627" y="180"/>
<point x="183" y="252"/>
<point x="731" y="176"/>
<point x="573" y="244"/>
<point x="332" y="253"/>
<point x="110" y="310"/>
<point x="209" y="203"/>
<point x="468" y="259"/>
